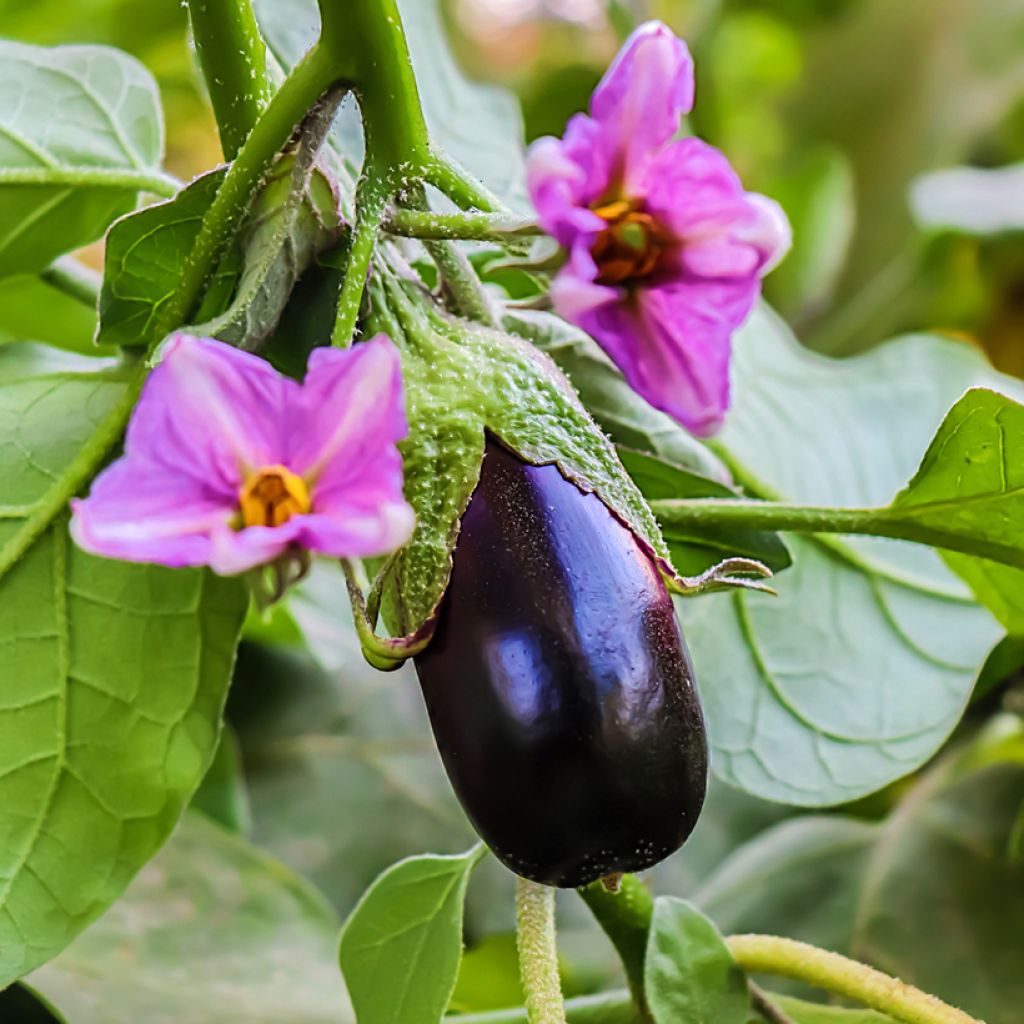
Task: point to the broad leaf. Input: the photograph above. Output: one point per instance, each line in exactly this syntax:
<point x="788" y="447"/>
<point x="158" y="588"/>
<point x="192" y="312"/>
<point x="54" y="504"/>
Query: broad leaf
<point x="213" y="930"/>
<point x="689" y="974"/>
<point x="864" y="889"/>
<point x="81" y="136"/>
<point x="479" y="125"/>
<point x="114" y="677"/>
<point x="860" y="668"/>
<point x="32" y="310"/>
<point x="974" y="200"/>
<point x="401" y="946"/>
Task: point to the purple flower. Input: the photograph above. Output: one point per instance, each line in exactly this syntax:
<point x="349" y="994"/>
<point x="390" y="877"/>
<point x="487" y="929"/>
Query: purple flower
<point x="229" y="464"/>
<point x="665" y="249"/>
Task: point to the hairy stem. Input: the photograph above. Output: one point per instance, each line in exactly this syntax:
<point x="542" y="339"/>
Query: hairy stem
<point x="74" y="279"/>
<point x="770" y="954"/>
<point x="625" y="917"/>
<point x="233" y="59"/>
<point x="899" y="523"/>
<point x="538" y="956"/>
<point x="605" y="1008"/>
<point x="371" y="200"/>
<point x="468" y="296"/>
<point x="310" y="79"/>
<point x="493" y="227"/>
<point x="157" y="183"/>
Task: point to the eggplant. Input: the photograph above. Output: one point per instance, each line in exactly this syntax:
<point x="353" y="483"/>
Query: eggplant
<point x="558" y="686"/>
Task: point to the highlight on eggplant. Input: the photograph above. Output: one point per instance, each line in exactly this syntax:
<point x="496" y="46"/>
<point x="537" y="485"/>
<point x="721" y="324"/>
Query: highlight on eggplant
<point x="558" y="686"/>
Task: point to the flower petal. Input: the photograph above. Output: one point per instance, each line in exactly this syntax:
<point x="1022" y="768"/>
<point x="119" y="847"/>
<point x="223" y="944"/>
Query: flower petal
<point x="139" y="512"/>
<point x="643" y="95"/>
<point x="235" y="551"/>
<point x="673" y="347"/>
<point x="358" y="530"/>
<point x="563" y="176"/>
<point x="723" y="231"/>
<point x="209" y="410"/>
<point x="575" y="292"/>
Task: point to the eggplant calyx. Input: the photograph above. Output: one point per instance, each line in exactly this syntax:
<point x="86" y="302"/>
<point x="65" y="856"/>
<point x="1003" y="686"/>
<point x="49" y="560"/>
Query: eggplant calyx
<point x="384" y="653"/>
<point x="731" y="574"/>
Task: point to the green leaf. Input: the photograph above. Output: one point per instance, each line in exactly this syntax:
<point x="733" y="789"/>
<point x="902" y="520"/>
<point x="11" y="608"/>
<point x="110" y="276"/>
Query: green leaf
<point x="859" y="669"/>
<point x="144" y="255"/>
<point x="401" y="946"/>
<point x="944" y="855"/>
<point x="114" y="674"/>
<point x="463" y="381"/>
<point x="213" y="930"/>
<point x="81" y="136"/>
<point x="1000" y="588"/>
<point x="479" y="125"/>
<point x="689" y="974"/>
<point x="974" y="200"/>
<point x="970" y="485"/>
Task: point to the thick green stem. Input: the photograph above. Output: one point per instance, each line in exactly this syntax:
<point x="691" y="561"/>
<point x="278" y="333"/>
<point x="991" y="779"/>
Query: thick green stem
<point x="899" y="523"/>
<point x="445" y="174"/>
<point x="538" y="955"/>
<point x="625" y="917"/>
<point x="233" y="58"/>
<point x="371" y="199"/>
<point x="606" y="1008"/>
<point x="157" y="183"/>
<point x="468" y="297"/>
<point x="366" y="38"/>
<point x="310" y="79"/>
<point x="487" y="227"/>
<point x="787" y="958"/>
<point x="80" y="282"/>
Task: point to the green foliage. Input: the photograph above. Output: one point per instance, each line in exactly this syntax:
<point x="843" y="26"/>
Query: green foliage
<point x="80" y="136"/>
<point x="864" y="889"/>
<point x="860" y="668"/>
<point x="32" y="310"/>
<point x="690" y="975"/>
<point x="401" y="946"/>
<point x="213" y="930"/>
<point x="98" y="754"/>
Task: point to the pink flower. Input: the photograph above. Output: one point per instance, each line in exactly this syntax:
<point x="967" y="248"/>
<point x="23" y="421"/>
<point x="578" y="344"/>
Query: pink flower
<point x="229" y="464"/>
<point x="665" y="249"/>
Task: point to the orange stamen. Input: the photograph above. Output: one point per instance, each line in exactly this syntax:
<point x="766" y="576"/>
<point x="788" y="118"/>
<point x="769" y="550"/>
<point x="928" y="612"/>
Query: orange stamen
<point x="271" y="496"/>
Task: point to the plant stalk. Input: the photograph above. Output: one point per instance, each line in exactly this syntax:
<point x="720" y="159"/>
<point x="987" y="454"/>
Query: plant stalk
<point x="538" y="955"/>
<point x="233" y="59"/>
<point x="74" y="279"/>
<point x="488" y="227"/>
<point x="787" y="958"/>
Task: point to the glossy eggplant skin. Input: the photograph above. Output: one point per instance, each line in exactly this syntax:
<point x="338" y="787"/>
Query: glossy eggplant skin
<point x="558" y="686"/>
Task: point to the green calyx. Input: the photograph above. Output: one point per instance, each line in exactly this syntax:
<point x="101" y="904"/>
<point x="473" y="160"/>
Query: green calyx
<point x="462" y="382"/>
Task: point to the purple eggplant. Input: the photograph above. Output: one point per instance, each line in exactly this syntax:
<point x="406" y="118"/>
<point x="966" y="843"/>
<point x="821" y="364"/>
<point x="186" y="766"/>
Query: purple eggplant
<point x="558" y="686"/>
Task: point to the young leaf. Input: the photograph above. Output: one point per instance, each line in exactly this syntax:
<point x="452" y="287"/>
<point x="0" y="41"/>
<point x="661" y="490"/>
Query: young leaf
<point x="114" y="678"/>
<point x="81" y="136"/>
<point x="143" y="262"/>
<point x="689" y="974"/>
<point x="401" y="946"/>
<point x="216" y="931"/>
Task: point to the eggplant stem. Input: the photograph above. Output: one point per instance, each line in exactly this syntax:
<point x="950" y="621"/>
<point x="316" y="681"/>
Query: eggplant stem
<point x="538" y="954"/>
<point x="384" y="653"/>
<point x="732" y="574"/>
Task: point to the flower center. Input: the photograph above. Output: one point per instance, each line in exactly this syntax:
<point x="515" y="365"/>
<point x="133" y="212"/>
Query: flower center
<point x="271" y="496"/>
<point x="630" y="246"/>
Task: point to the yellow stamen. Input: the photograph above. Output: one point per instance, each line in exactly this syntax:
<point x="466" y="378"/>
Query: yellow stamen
<point x="271" y="496"/>
<point x="631" y="245"/>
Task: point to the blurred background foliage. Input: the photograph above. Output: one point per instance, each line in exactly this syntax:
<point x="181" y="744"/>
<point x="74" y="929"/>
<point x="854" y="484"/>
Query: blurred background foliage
<point x="840" y="109"/>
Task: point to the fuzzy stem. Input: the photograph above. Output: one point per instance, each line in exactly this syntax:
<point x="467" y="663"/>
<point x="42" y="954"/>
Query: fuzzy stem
<point x="371" y="199"/>
<point x="538" y="955"/>
<point x="605" y="1008"/>
<point x="770" y="954"/>
<point x="74" y="279"/>
<point x="625" y="917"/>
<point x="468" y="295"/>
<point x="233" y="59"/>
<point x="310" y="79"/>
<point x="491" y="227"/>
